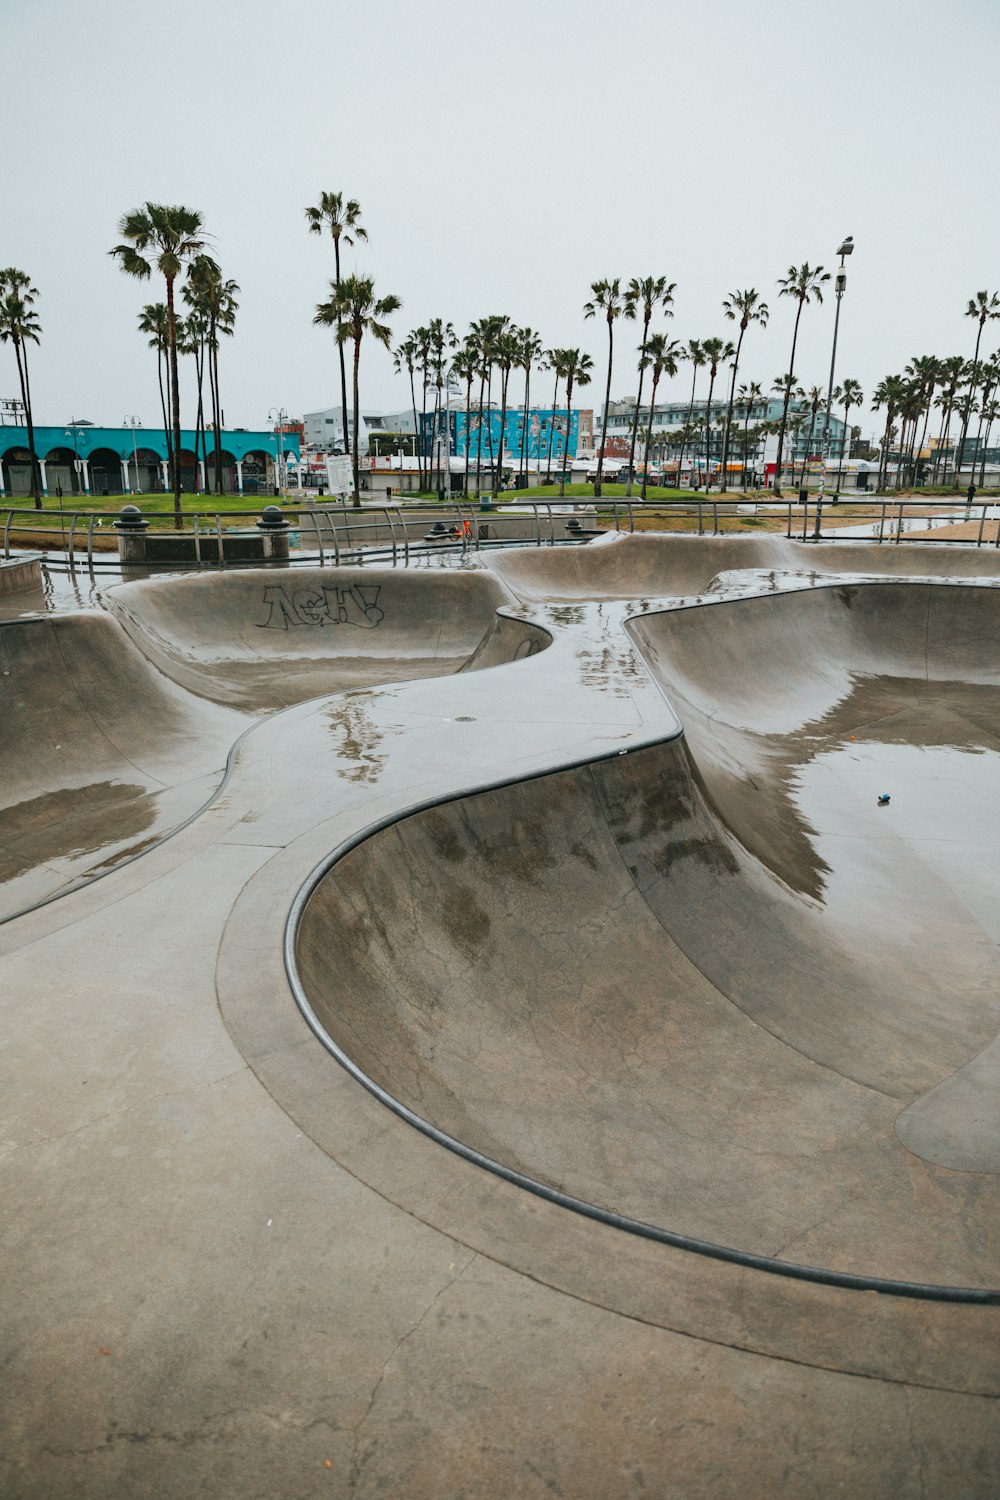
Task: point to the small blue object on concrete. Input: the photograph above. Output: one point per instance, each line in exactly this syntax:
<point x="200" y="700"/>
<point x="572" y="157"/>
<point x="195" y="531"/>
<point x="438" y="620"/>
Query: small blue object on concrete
<point x="883" y="799"/>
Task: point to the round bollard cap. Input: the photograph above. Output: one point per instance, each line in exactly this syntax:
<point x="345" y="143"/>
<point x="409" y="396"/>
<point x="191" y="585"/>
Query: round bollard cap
<point x="130" y="518"/>
<point x="272" y="519"/>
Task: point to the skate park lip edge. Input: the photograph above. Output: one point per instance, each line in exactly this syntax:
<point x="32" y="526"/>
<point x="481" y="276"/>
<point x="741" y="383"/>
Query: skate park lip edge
<point x="819" y="1275"/>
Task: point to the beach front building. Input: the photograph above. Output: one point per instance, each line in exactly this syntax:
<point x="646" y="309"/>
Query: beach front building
<point x="81" y="459"/>
<point x="804" y="436"/>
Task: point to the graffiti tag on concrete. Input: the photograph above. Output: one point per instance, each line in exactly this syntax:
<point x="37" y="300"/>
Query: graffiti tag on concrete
<point x="290" y="609"/>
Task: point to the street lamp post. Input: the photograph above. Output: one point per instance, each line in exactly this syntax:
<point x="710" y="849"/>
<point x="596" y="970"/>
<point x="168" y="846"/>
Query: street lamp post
<point x="280" y="416"/>
<point x="845" y="249"/>
<point x="134" y="422"/>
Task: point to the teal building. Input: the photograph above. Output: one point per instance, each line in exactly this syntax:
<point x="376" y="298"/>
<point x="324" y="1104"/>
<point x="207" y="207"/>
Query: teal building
<point x="79" y="459"/>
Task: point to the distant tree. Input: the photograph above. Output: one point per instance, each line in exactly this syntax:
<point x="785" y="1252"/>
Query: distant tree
<point x="644" y="295"/>
<point x="169" y="236"/>
<point x="153" y="323"/>
<point x="696" y="354"/>
<point x="464" y="366"/>
<point x="805" y="284"/>
<point x="529" y="352"/>
<point x="19" y="326"/>
<point x="662" y="357"/>
<point x="846" y="395"/>
<point x="984" y="307"/>
<point x="342" y="221"/>
<point x="352" y="311"/>
<point x="745" y="308"/>
<point x="889" y="393"/>
<point x="576" y="367"/>
<point x="607" y="300"/>
<point x="715" y="352"/>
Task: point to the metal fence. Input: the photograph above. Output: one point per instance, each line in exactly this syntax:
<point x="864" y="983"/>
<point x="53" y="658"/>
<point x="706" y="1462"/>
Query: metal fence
<point x="399" y="534"/>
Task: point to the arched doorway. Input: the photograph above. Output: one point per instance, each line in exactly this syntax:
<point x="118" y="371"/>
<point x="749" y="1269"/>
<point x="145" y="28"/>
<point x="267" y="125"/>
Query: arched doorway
<point x="230" y="484"/>
<point x="61" y="472"/>
<point x="106" y="472"/>
<point x="258" y="473"/>
<point x="145" y="472"/>
<point x="189" y="472"/>
<point x="16" y="472"/>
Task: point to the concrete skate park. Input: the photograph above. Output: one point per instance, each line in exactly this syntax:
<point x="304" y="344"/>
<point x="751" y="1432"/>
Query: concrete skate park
<point x="471" y="1029"/>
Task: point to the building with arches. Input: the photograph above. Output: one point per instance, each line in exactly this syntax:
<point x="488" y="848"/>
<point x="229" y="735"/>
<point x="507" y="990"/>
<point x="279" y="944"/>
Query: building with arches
<point x="80" y="459"/>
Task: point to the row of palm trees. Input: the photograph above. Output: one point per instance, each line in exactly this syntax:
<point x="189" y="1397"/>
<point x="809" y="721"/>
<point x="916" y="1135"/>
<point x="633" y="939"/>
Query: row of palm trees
<point x="20" y="327"/>
<point x="171" y="240"/>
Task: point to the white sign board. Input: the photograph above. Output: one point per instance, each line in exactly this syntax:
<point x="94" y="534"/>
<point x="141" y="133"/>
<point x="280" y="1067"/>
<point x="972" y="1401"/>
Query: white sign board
<point x="339" y="476"/>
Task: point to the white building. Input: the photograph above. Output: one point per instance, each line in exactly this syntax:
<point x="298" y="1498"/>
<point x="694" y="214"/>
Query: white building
<point x="324" y="430"/>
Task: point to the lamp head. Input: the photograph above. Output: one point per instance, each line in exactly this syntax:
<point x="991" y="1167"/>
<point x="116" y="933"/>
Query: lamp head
<point x="847" y="248"/>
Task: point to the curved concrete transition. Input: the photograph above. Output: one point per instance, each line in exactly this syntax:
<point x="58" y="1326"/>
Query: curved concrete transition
<point x="109" y="744"/>
<point x="622" y="915"/>
<point x="695" y="986"/>
<point x="649" y="566"/>
<point x="263" y="640"/>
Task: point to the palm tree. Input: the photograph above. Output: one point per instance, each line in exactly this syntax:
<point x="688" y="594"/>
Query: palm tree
<point x="551" y="361"/>
<point x="19" y="326"/>
<point x="506" y="350"/>
<point x="696" y="354"/>
<point x="170" y="235"/>
<point x="440" y="341"/>
<point x="989" y="414"/>
<point x="990" y="376"/>
<point x="352" y="311"/>
<point x="529" y="352"/>
<point x="663" y="358"/>
<point x="785" y="387"/>
<point x="746" y="308"/>
<point x="715" y="351"/>
<point x="215" y="300"/>
<point x="192" y="333"/>
<point x="406" y="358"/>
<point x="847" y="395"/>
<point x="814" y="397"/>
<point x="576" y="367"/>
<point x="607" y="298"/>
<point x="465" y="365"/>
<point x="925" y="372"/>
<point x="889" y="393"/>
<point x="153" y="321"/>
<point x="983" y="306"/>
<point x="647" y="293"/>
<point x="749" y="395"/>
<point x="952" y="370"/>
<point x="805" y="284"/>
<point x="343" y="222"/>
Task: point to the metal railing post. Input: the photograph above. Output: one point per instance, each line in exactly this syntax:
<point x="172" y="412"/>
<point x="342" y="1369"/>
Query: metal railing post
<point x="899" y="523"/>
<point x="197" y="541"/>
<point x="90" y="540"/>
<point x="72" y="530"/>
<point x="6" y="533"/>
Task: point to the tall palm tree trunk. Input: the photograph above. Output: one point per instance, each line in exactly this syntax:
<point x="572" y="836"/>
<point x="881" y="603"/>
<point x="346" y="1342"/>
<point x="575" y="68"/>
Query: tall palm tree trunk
<point x="729" y="414"/>
<point x="788" y="396"/>
<point x="22" y="372"/>
<point x="604" y="424"/>
<point x="199" y="420"/>
<point x="552" y="429"/>
<point x="416" y="436"/>
<point x="479" y="434"/>
<point x="175" y="402"/>
<point x="468" y="418"/>
<point x="687" y="424"/>
<point x="163" y="399"/>
<point x="649" y="432"/>
<point x="569" y="413"/>
<point x="524" y="429"/>
<point x="340" y="347"/>
<point x="635" y="419"/>
<point x="213" y="378"/>
<point x="708" y="429"/>
<point x="354" y="424"/>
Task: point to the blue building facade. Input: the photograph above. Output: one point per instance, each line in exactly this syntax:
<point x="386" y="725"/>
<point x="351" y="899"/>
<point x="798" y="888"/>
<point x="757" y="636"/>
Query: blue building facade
<point x="483" y="441"/>
<point x="82" y="460"/>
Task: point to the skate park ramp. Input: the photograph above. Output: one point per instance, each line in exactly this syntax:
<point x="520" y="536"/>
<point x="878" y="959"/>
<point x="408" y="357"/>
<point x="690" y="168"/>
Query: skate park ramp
<point x="646" y="566"/>
<point x="712" y="985"/>
<point x="265" y="640"/>
<point x="99" y="754"/>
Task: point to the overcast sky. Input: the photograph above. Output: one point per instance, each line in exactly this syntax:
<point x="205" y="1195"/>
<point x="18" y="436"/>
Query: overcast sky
<point x="505" y="156"/>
